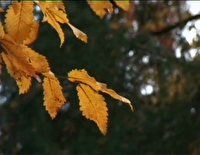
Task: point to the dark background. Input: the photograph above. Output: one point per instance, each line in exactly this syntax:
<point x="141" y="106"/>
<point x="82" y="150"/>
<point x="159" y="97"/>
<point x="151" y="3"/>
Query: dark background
<point x="128" y="58"/>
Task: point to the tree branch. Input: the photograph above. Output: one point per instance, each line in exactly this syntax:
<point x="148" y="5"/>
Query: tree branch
<point x="178" y="24"/>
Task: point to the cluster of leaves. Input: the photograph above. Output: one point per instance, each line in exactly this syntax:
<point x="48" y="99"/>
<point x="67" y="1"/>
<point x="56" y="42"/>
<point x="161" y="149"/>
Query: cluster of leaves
<point x="23" y="63"/>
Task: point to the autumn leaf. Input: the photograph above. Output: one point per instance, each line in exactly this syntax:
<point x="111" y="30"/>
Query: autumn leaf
<point x="1" y="9"/>
<point x="15" y="5"/>
<point x="113" y="94"/>
<point x="101" y="7"/>
<point x="82" y="76"/>
<point x="93" y="106"/>
<point x="125" y="5"/>
<point x="55" y="5"/>
<point x="53" y="96"/>
<point x="2" y="32"/>
<point x="19" y="60"/>
<point x="79" y="34"/>
<point x="39" y="62"/>
<point x="33" y="34"/>
<point x="53" y="16"/>
<point x="19" y="24"/>
<point x="23" y="81"/>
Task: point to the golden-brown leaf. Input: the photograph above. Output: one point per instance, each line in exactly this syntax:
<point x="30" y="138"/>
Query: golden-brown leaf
<point x="113" y="94"/>
<point x="53" y="16"/>
<point x="101" y="7"/>
<point x="79" y="34"/>
<point x="49" y="75"/>
<point x="19" y="60"/>
<point x="53" y="96"/>
<point x="82" y="76"/>
<point x="93" y="106"/>
<point x="2" y="32"/>
<point x="1" y="9"/>
<point x="15" y="5"/>
<point x="51" y="20"/>
<point x="39" y="62"/>
<point x="23" y="81"/>
<point x="55" y="5"/>
<point x="125" y="5"/>
<point x="19" y="24"/>
<point x="33" y="34"/>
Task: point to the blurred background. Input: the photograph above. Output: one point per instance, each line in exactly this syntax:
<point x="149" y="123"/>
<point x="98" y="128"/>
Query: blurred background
<point x="150" y="54"/>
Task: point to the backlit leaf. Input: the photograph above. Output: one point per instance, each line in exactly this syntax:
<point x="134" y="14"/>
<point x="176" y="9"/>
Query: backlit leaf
<point x="33" y="34"/>
<point x="23" y="81"/>
<point x="101" y="7"/>
<point x="83" y="77"/>
<point x="2" y="32"/>
<point x="125" y="5"/>
<point x="15" y="5"/>
<point x="1" y="9"/>
<point x="93" y="106"/>
<point x="53" y="96"/>
<point x="113" y="94"/>
<point x="79" y="34"/>
<point x="19" y="24"/>
<point x="39" y="62"/>
<point x="53" y="16"/>
<point x="19" y="60"/>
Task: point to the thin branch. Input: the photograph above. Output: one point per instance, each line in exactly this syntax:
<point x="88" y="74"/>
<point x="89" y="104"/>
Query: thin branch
<point x="178" y="24"/>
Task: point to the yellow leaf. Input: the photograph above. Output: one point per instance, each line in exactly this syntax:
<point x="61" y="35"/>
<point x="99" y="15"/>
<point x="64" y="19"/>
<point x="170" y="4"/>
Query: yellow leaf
<point x="125" y="5"/>
<point x="79" y="34"/>
<point x="39" y="62"/>
<point x="83" y="77"/>
<point x="59" y="15"/>
<point x="2" y="32"/>
<point x="49" y="75"/>
<point x="55" y="5"/>
<point x="15" y="5"/>
<point x="15" y="52"/>
<point x="93" y="106"/>
<point x="19" y="24"/>
<point x="33" y="34"/>
<point x="101" y="7"/>
<point x="113" y="94"/>
<point x="23" y="81"/>
<point x="1" y="9"/>
<point x="60" y="5"/>
<point x="54" y="16"/>
<point x="53" y="96"/>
